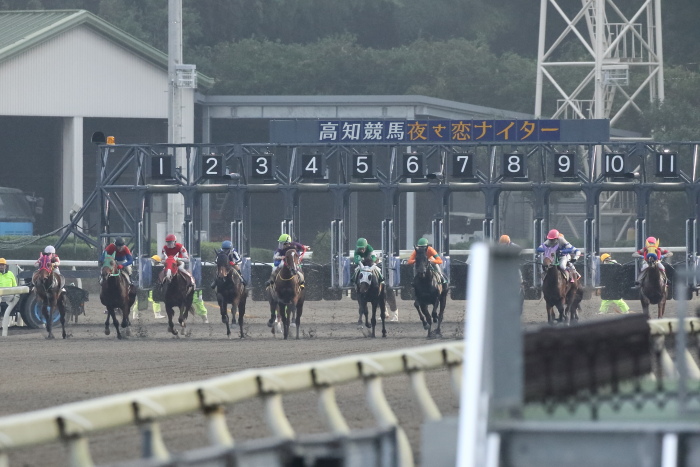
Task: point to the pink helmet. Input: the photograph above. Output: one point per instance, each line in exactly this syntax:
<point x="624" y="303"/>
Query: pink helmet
<point x="553" y="234"/>
<point x="171" y="238"/>
<point x="651" y="240"/>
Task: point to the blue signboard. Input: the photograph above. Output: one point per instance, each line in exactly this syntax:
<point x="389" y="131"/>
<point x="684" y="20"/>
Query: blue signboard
<point x="433" y="131"/>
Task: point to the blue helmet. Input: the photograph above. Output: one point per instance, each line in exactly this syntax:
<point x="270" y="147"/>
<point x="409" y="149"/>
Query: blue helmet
<point x="226" y="245"/>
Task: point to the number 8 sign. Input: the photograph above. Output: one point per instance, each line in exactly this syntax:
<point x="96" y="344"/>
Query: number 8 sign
<point x="514" y="165"/>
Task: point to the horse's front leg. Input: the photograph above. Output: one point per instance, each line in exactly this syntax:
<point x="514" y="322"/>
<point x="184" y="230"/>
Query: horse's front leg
<point x="113" y="315"/>
<point x="297" y="316"/>
<point x="382" y="314"/>
<point x="62" y="310"/>
<point x="374" y="317"/>
<point x="223" y="309"/>
<point x="420" y="314"/>
<point x="171" y="313"/>
<point x="283" y="312"/>
<point x="241" y="313"/>
<point x="48" y="318"/>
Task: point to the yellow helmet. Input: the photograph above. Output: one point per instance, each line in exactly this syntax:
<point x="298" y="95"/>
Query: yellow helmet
<point x="156" y="258"/>
<point x="604" y="256"/>
<point x="3" y="261"/>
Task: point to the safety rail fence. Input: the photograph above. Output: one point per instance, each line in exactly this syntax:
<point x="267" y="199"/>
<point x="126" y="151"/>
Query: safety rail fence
<point x="74" y="423"/>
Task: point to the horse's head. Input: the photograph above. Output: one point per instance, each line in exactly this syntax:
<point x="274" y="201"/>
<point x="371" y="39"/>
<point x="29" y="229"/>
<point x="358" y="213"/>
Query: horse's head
<point x="291" y="259"/>
<point x="223" y="266"/>
<point x="170" y="268"/>
<point x="547" y="263"/>
<point x="109" y="266"/>
<point x="421" y="264"/>
<point x="365" y="278"/>
<point x="45" y="263"/>
<point x="652" y="259"/>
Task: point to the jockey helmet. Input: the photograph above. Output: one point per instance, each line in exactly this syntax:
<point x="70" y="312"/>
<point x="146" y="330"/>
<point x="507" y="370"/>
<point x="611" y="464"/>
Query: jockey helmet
<point x="3" y="261"/>
<point x="604" y="256"/>
<point x="651" y="241"/>
<point x="171" y="238"/>
<point x="553" y="234"/>
<point x="49" y="250"/>
<point x="504" y="239"/>
<point x="226" y="245"/>
<point x="361" y="243"/>
<point x="422" y="242"/>
<point x="156" y="258"/>
<point x="285" y="238"/>
<point x="119" y="241"/>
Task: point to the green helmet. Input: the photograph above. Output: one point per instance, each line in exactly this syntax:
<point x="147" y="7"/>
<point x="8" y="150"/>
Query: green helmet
<point x="422" y="242"/>
<point x="284" y="238"/>
<point x="362" y="243"/>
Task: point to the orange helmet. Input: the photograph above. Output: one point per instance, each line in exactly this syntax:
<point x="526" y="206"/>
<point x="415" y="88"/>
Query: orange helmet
<point x="553" y="234"/>
<point x="504" y="239"/>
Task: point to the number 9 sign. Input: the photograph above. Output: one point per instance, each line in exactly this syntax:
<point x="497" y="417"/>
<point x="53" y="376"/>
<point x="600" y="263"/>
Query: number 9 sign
<point x="564" y="165"/>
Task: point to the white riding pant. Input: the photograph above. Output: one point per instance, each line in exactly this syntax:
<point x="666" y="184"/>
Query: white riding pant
<point x="646" y="265"/>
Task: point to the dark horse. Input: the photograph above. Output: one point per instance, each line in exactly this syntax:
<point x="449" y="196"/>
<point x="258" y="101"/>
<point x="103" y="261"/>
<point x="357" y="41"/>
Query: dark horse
<point x="116" y="292"/>
<point x="429" y="290"/>
<point x="653" y="287"/>
<point x="560" y="293"/>
<point x="48" y="286"/>
<point x="369" y="290"/>
<point x="178" y="291"/>
<point x="230" y="290"/>
<point x="287" y="293"/>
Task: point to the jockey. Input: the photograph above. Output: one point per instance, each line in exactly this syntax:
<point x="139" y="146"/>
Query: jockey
<point x="49" y="256"/>
<point x="173" y="248"/>
<point x="433" y="257"/>
<point x="233" y="258"/>
<point x="285" y="244"/>
<point x="122" y="255"/>
<point x="651" y="249"/>
<point x="505" y="240"/>
<point x="605" y="258"/>
<point x="556" y="244"/>
<point x="363" y="251"/>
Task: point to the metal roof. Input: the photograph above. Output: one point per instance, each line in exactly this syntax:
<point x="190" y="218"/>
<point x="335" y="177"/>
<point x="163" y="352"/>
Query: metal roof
<point x="20" y="30"/>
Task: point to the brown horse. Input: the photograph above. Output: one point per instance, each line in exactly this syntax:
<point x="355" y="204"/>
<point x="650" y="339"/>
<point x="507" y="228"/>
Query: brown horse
<point x="230" y="290"/>
<point x="287" y="293"/>
<point x="370" y="290"/>
<point x="566" y="296"/>
<point x="653" y="289"/>
<point x="178" y="291"/>
<point x="48" y="286"/>
<point x="429" y="290"/>
<point x="116" y="293"/>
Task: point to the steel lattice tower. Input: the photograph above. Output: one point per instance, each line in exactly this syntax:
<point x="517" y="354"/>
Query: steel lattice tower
<point x="600" y="60"/>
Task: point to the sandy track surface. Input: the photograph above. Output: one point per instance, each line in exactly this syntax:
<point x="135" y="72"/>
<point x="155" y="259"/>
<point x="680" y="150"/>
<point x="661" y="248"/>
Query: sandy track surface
<point x="38" y="373"/>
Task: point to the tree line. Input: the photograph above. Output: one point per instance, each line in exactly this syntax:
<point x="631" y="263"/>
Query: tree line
<point x="472" y="51"/>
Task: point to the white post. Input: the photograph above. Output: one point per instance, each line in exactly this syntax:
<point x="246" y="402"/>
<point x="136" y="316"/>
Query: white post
<point x="72" y="163"/>
<point x="176" y="209"/>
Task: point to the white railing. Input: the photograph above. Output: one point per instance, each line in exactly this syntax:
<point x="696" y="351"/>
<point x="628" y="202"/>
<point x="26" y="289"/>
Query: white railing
<point x="74" y="423"/>
<point x="15" y="292"/>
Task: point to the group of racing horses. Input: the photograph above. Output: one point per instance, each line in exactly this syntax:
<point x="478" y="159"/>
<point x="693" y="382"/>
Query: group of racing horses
<point x="286" y="294"/>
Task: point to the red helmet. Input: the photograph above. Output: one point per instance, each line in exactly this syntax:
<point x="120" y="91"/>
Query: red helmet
<point x="553" y="234"/>
<point x="170" y="238"/>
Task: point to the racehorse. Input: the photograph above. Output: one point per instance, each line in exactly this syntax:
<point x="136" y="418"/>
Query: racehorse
<point x="560" y="293"/>
<point x="178" y="291"/>
<point x="287" y="293"/>
<point x="369" y="290"/>
<point x="48" y="286"/>
<point x="116" y="293"/>
<point x="230" y="290"/>
<point x="653" y="287"/>
<point x="429" y="290"/>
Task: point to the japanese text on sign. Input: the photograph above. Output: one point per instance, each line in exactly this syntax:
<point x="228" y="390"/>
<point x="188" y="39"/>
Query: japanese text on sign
<point x="432" y="131"/>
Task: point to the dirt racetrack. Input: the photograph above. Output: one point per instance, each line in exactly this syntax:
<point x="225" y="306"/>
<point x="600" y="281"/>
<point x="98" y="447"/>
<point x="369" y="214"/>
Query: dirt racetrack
<point x="38" y="373"/>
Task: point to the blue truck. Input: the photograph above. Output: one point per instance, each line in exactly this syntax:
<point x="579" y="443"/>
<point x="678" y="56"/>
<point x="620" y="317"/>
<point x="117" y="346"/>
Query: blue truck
<point x="17" y="212"/>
